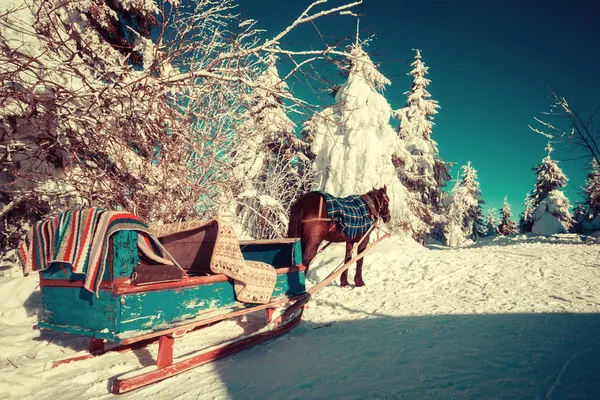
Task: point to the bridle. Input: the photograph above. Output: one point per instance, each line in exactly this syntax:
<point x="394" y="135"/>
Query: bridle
<point x="375" y="205"/>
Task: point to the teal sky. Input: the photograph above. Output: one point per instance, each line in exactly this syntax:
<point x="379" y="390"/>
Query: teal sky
<point x="490" y="62"/>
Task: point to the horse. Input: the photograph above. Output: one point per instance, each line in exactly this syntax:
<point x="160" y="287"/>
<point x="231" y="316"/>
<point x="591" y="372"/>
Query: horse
<point x="309" y="222"/>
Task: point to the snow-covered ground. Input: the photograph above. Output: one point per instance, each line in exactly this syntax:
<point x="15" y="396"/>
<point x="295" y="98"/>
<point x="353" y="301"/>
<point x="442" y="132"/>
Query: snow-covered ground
<point x="507" y="318"/>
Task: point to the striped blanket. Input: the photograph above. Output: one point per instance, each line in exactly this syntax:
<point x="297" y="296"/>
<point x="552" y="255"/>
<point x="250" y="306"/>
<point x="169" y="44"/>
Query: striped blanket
<point x="81" y="238"/>
<point x="351" y="213"/>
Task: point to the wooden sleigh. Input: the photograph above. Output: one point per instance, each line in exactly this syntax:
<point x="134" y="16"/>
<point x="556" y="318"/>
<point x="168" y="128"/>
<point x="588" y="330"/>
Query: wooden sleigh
<point x="139" y="304"/>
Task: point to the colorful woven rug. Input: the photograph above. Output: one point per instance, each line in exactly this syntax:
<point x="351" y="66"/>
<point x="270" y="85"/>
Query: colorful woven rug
<point x="81" y="238"/>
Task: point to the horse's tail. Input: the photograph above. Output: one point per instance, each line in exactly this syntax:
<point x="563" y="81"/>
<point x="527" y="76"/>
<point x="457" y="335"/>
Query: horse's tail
<point x="295" y="224"/>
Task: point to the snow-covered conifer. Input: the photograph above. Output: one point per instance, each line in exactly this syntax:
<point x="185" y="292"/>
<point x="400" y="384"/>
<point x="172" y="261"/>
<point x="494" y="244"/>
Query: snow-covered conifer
<point x="491" y="223"/>
<point x="526" y="219"/>
<point x="551" y="208"/>
<point x="353" y="141"/>
<point x="422" y="172"/>
<point x="507" y="225"/>
<point x="465" y="217"/>
<point x="592" y="189"/>
<point x="580" y="216"/>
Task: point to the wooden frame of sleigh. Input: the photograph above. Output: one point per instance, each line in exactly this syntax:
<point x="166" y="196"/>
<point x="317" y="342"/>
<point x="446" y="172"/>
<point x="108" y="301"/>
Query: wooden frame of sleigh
<point x="139" y="303"/>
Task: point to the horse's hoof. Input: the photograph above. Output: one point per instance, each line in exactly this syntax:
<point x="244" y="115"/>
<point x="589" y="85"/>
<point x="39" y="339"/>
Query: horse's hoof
<point x="359" y="283"/>
<point x="343" y="284"/>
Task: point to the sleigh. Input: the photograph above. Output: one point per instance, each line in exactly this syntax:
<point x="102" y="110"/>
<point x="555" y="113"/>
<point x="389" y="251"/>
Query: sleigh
<point x="139" y="303"/>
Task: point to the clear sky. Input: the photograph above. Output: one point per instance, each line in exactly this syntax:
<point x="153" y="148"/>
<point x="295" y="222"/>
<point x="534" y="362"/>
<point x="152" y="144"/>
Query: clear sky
<point x="490" y="62"/>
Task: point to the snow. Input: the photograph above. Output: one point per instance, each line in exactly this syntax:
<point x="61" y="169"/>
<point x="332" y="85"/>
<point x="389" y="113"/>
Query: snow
<point x="547" y="224"/>
<point x="509" y="317"/>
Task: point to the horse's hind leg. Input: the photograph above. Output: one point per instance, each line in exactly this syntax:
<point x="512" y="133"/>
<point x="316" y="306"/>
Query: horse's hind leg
<point x="358" y="280"/>
<point x="344" y="277"/>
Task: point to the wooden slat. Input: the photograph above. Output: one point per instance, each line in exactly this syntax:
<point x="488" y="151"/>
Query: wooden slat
<point x="268" y="241"/>
<point x="123" y="286"/>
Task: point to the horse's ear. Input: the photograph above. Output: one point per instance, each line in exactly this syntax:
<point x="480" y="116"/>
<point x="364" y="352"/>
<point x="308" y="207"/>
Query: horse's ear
<point x="385" y="188"/>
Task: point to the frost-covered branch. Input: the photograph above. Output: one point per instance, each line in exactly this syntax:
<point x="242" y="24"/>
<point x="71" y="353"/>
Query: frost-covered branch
<point x="579" y="132"/>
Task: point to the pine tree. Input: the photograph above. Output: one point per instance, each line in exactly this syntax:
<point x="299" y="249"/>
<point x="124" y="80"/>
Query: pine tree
<point x="421" y="171"/>
<point x="592" y="190"/>
<point x="507" y="225"/>
<point x="551" y="208"/>
<point x="465" y="217"/>
<point x="580" y="215"/>
<point x="549" y="177"/>
<point x="353" y="141"/>
<point x="526" y="219"/>
<point x="491" y="224"/>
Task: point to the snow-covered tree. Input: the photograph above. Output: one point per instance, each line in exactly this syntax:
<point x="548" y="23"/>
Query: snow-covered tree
<point x="465" y="217"/>
<point x="423" y="172"/>
<point x="271" y="164"/>
<point x="491" y="223"/>
<point x="551" y="208"/>
<point x="592" y="189"/>
<point x="135" y="105"/>
<point x="580" y="217"/>
<point x="353" y="141"/>
<point x="526" y="219"/>
<point x="507" y="225"/>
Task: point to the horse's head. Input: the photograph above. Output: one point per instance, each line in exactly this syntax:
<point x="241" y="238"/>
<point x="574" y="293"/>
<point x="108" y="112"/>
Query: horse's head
<point x="382" y="203"/>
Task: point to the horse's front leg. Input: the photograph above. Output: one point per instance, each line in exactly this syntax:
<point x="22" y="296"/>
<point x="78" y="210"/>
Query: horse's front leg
<point x="358" y="280"/>
<point x="344" y="277"/>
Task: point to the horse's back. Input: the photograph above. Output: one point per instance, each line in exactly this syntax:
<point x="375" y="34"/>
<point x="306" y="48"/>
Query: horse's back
<point x="306" y="207"/>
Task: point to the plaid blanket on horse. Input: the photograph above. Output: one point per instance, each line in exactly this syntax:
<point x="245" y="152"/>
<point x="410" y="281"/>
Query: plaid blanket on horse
<point x="351" y="213"/>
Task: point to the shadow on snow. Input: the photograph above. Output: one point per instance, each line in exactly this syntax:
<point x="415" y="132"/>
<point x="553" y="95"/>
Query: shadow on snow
<point x="450" y="356"/>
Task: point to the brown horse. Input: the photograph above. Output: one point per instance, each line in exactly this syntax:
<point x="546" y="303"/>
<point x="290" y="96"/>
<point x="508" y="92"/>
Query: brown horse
<point x="309" y="222"/>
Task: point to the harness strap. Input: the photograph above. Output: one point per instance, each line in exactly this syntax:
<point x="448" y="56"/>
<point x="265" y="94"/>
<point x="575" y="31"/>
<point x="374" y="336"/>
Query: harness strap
<point x="371" y="205"/>
<point x="319" y="218"/>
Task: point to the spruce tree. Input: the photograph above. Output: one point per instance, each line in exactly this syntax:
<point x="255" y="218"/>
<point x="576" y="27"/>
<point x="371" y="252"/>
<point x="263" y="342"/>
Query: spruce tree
<point x="551" y="207"/>
<point x="592" y="190"/>
<point x="465" y="217"/>
<point x="580" y="215"/>
<point x="507" y="225"/>
<point x="491" y="224"/>
<point x="353" y="143"/>
<point x="526" y="219"/>
<point x="422" y="171"/>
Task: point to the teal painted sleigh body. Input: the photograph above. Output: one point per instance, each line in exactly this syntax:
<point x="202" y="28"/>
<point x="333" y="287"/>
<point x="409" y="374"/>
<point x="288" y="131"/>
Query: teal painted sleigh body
<point x="124" y="312"/>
